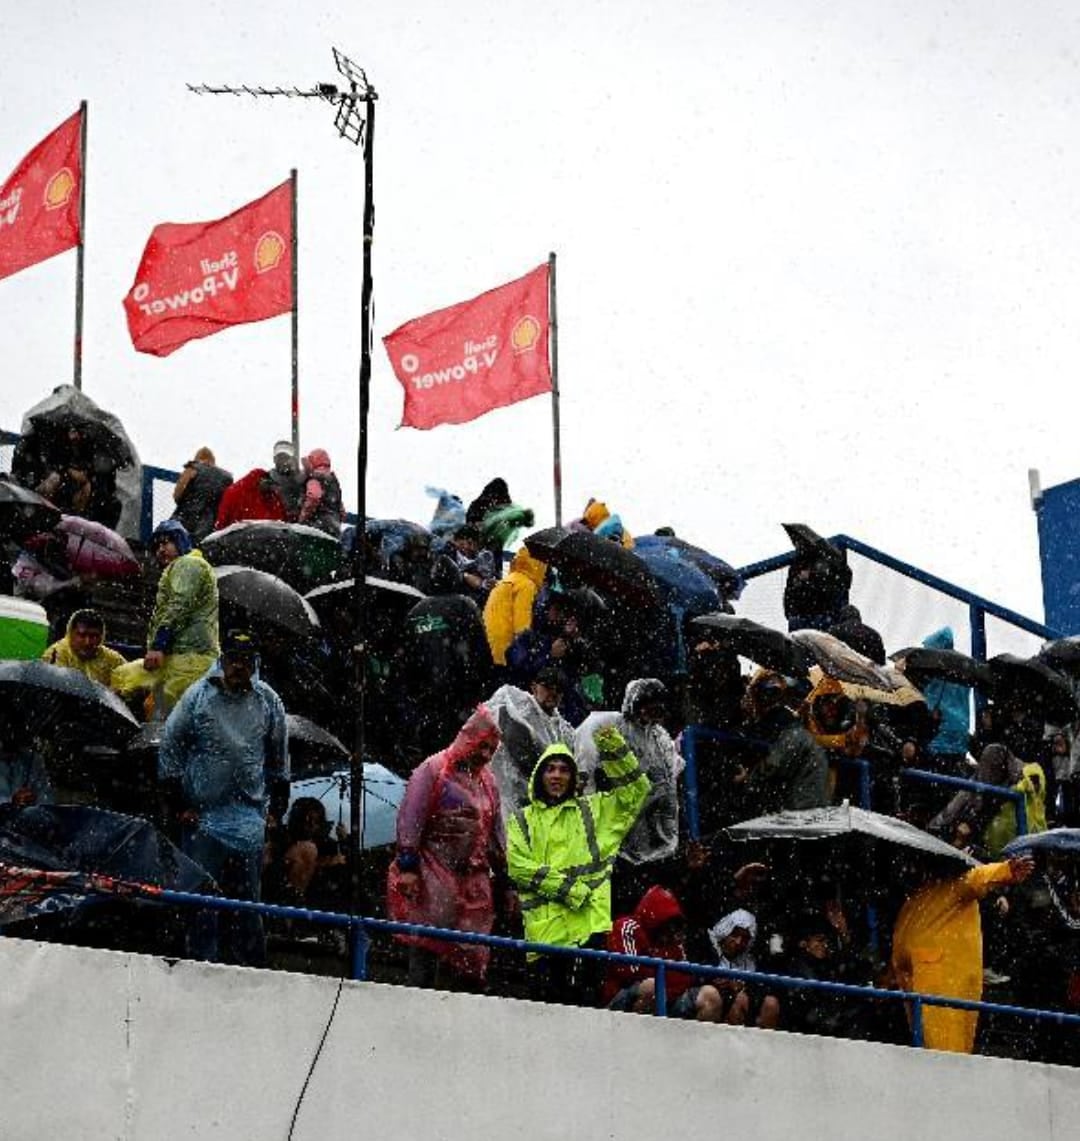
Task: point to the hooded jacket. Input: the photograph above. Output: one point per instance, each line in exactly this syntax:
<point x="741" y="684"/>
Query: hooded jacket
<point x="560" y="856"/>
<point x="99" y="668"/>
<point x="509" y="606"/>
<point x="950" y="701"/>
<point x="185" y="615"/>
<point x="450" y="832"/>
<point x="634" y="935"/>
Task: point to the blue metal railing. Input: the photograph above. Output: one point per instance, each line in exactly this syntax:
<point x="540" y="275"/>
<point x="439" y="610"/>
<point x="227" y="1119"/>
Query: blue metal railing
<point x="359" y="928"/>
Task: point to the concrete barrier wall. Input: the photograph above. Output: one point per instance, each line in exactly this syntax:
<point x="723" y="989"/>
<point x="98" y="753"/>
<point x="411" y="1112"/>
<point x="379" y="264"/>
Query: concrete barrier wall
<point x="97" y="1044"/>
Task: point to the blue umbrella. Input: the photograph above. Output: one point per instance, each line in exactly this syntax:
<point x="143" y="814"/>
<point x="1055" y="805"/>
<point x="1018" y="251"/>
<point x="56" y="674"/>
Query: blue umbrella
<point x="723" y="574"/>
<point x="1066" y="840"/>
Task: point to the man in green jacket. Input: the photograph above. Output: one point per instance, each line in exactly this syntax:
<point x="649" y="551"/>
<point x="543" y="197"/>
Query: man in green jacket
<point x="182" y="638"/>
<point x="561" y="849"/>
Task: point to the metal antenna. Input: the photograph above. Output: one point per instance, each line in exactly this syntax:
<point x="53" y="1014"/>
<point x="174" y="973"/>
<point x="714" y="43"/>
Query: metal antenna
<point x="355" y="122"/>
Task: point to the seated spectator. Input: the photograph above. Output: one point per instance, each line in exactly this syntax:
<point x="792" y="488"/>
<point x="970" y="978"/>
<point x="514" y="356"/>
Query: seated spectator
<point x="818" y="955"/>
<point x="508" y="611"/>
<point x="733" y="938"/>
<point x="306" y="864"/>
<point x="198" y="493"/>
<point x="65" y="467"/>
<point x="657" y="929"/>
<point x="24" y="779"/>
<point x="322" y="505"/>
<point x="83" y="648"/>
<point x="476" y="566"/>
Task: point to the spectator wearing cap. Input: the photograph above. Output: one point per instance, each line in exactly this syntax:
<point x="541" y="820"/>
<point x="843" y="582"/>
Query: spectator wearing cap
<point x="262" y="494"/>
<point x="182" y="638"/>
<point x="794" y="772"/>
<point x="83" y="648"/>
<point x="224" y="761"/>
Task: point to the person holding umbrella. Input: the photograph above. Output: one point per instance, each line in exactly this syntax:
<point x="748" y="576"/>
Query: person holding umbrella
<point x="937" y="945"/>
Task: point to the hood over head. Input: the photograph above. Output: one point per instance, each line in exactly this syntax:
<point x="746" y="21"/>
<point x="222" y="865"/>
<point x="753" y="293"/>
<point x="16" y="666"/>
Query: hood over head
<point x="176" y="532"/>
<point x="563" y="753"/>
<point x="641" y="691"/>
<point x="940" y="639"/>
<point x="531" y="568"/>
<point x="478" y="728"/>
<point x="318" y="459"/>
<point x="657" y="907"/>
<point x="89" y="618"/>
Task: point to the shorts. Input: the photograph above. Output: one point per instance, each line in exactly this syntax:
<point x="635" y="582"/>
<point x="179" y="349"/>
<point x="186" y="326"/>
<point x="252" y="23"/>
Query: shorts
<point x="683" y="1006"/>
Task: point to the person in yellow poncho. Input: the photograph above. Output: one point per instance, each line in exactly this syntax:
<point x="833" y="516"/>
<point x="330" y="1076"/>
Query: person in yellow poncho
<point x="83" y="648"/>
<point x="937" y="947"/>
<point x="182" y="638"/>
<point x="509" y="606"/>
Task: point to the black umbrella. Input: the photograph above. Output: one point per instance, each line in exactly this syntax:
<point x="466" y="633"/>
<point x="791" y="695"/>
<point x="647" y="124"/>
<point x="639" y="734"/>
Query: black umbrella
<point x="23" y="512"/>
<point x="386" y="603"/>
<point x="312" y="750"/>
<point x="594" y="561"/>
<point x="770" y="648"/>
<point x="55" y="701"/>
<point x="1062" y="654"/>
<point x="925" y="663"/>
<point x="807" y="541"/>
<point x="259" y="598"/>
<point x="1033" y="686"/>
<point x="303" y="556"/>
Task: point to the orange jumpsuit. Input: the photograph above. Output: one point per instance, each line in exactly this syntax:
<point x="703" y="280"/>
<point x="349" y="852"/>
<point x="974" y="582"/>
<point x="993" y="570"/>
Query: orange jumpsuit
<point x="937" y="949"/>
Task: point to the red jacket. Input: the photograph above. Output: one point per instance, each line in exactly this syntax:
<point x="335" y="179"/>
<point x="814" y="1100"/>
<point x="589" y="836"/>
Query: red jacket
<point x="246" y="499"/>
<point x="633" y="935"/>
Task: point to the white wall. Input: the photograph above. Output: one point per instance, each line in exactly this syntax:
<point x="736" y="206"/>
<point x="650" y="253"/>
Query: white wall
<point x="97" y="1044"/>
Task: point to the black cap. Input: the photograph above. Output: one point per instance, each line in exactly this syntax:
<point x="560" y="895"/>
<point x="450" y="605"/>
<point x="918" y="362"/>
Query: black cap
<point x="237" y="643"/>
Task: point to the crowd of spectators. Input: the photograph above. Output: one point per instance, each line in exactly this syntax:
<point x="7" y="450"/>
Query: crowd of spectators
<point x="538" y="715"/>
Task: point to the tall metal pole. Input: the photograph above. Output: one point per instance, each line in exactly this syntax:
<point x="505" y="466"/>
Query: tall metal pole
<point x="295" y="325"/>
<point x="83" y="114"/>
<point x="356" y="783"/>
<point x="553" y="325"/>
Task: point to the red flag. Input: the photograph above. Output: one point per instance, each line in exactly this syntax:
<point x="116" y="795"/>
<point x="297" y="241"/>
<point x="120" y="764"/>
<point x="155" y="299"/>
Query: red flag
<point x="196" y="279"/>
<point x="461" y="362"/>
<point x="39" y="203"/>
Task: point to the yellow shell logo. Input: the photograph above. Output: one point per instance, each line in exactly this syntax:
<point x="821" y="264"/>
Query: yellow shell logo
<point x="268" y="251"/>
<point x="59" y="189"/>
<point x="525" y="334"/>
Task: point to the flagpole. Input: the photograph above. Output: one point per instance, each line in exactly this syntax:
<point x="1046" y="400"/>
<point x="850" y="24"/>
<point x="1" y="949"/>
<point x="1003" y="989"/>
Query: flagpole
<point x="295" y="327"/>
<point x="554" y="349"/>
<point x="360" y="649"/>
<point x="83" y="113"/>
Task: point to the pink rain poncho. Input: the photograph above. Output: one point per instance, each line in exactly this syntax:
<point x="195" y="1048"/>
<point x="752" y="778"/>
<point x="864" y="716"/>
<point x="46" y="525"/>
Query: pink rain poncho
<point x="449" y="829"/>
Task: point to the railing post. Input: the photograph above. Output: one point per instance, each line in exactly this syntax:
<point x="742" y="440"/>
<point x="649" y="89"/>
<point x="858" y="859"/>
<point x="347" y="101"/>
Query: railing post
<point x="1020" y="807"/>
<point x="977" y="619"/>
<point x="690" y="781"/>
<point x="146" y="510"/>
<point x="661" y="990"/>
<point x="358" y="949"/>
<point x="917" y="1022"/>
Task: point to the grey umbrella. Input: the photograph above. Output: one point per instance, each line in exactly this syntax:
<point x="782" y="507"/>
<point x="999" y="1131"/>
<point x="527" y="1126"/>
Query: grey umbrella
<point x="312" y="750"/>
<point x="23" y="512"/>
<point x="845" y="820"/>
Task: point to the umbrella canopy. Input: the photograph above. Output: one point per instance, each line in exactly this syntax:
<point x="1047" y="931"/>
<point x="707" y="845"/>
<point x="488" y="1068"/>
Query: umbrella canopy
<point x="303" y="556"/>
<point x="1062" y="654"/>
<point x="807" y="541"/>
<point x="387" y="603"/>
<point x="262" y="598"/>
<point x="1063" y="840"/>
<point x="686" y="589"/>
<point x="845" y="820"/>
<point x="838" y="660"/>
<point x="1034" y="686"/>
<point x="65" y="703"/>
<point x="924" y="663"/>
<point x="383" y="793"/>
<point x="724" y="576"/>
<point x="312" y="750"/>
<point x="594" y="561"/>
<point x="23" y="512"/>
<point x="763" y="645"/>
<point x="86" y="547"/>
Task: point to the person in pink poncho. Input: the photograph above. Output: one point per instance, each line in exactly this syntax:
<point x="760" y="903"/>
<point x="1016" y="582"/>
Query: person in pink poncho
<point x="451" y="856"/>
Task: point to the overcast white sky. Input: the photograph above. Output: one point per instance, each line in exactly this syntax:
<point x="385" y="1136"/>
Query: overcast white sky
<point x="817" y="261"/>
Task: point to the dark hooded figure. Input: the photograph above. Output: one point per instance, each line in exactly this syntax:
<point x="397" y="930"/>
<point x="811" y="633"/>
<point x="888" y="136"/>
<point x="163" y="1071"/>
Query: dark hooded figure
<point x="447" y="669"/>
<point x="818" y="581"/>
<point x="854" y="632"/>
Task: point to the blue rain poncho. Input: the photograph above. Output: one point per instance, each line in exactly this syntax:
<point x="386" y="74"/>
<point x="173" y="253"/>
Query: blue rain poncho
<point x="223" y="747"/>
<point x="951" y="701"/>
